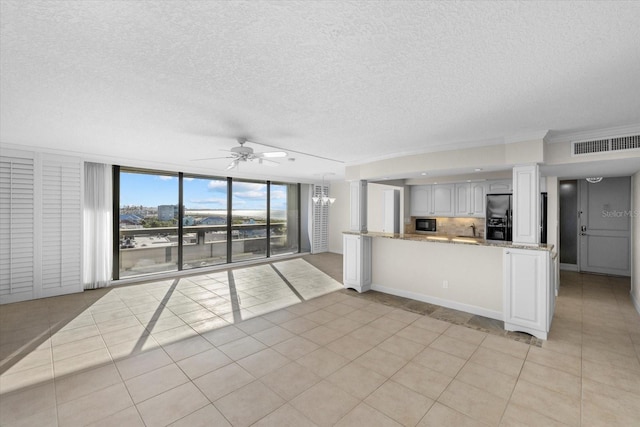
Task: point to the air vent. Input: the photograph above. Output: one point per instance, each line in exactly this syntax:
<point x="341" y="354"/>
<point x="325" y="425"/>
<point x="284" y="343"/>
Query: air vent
<point x="606" y="145"/>
<point x="625" y="143"/>
<point x="587" y="147"/>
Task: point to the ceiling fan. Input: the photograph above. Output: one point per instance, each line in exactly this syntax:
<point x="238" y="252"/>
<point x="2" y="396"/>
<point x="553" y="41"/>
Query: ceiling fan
<point x="246" y="154"/>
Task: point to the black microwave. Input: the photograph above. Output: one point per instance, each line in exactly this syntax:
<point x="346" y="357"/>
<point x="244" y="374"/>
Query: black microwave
<point x="424" y="225"/>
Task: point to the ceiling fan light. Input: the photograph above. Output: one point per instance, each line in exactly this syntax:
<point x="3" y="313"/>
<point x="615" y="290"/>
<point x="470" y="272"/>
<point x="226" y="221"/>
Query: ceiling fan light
<point x="594" y="180"/>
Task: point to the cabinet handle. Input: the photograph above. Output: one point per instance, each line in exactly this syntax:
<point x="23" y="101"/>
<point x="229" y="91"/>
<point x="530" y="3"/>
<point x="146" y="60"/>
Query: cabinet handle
<point x="507" y="252"/>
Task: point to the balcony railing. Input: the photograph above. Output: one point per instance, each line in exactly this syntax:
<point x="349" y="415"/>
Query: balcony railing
<point x="150" y="250"/>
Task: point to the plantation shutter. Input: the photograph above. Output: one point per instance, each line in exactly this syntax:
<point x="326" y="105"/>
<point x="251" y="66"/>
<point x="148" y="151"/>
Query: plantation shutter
<point x="61" y="225"/>
<point x="320" y="226"/>
<point x="17" y="219"/>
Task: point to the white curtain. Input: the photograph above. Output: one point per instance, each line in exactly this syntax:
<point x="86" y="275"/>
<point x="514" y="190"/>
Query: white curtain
<point x="98" y="234"/>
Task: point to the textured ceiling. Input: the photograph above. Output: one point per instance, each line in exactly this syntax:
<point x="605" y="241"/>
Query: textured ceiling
<point x="165" y="82"/>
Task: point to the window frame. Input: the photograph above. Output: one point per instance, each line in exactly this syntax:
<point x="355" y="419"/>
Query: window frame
<point x="118" y="170"/>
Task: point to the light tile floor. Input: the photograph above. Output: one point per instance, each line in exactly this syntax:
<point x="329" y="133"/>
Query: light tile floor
<point x="276" y="345"/>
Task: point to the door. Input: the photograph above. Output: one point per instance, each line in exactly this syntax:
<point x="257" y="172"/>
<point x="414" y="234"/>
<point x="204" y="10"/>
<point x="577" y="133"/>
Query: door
<point x="569" y="224"/>
<point x="605" y="226"/>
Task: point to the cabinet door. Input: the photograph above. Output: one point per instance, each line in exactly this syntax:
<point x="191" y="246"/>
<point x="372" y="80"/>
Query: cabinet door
<point x="421" y="200"/>
<point x="525" y="291"/>
<point x="478" y="199"/>
<point x="443" y="199"/>
<point x="462" y="204"/>
<point x="497" y="187"/>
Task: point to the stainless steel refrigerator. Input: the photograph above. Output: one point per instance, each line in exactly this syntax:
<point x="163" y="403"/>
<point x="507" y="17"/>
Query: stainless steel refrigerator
<point x="499" y="216"/>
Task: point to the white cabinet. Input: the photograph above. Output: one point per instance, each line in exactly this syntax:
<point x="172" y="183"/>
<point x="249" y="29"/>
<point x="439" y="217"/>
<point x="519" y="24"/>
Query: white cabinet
<point x="466" y="199"/>
<point x="391" y="211"/>
<point x="497" y="187"/>
<point x="356" y="262"/>
<point x="470" y="199"/>
<point x="463" y="202"/>
<point x="421" y="200"/>
<point x="444" y="199"/>
<point x="529" y="291"/>
<point x="478" y="198"/>
<point x="436" y="199"/>
<point x="526" y="204"/>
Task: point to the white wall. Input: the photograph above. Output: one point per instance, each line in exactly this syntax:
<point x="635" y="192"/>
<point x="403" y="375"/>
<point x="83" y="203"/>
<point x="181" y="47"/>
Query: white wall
<point x="504" y="155"/>
<point x="635" y="240"/>
<point x="338" y="214"/>
<point x="417" y="269"/>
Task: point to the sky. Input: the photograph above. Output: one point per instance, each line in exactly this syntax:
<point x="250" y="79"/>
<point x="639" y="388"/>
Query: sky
<point x="154" y="190"/>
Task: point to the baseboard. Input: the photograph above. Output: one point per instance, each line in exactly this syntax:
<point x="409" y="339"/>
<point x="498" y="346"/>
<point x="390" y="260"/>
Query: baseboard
<point x="636" y="301"/>
<point x="492" y="314"/>
<point x="569" y="267"/>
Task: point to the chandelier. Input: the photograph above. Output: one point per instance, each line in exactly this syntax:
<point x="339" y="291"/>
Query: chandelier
<point x="594" y="180"/>
<point x="323" y="199"/>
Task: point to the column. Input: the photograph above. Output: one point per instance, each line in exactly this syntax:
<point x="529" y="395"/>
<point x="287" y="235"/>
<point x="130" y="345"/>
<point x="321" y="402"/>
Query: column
<point x="358" y="206"/>
<point x="526" y="205"/>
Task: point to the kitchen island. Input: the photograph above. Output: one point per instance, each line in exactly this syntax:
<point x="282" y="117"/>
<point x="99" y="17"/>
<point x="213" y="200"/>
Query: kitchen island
<point x="499" y="280"/>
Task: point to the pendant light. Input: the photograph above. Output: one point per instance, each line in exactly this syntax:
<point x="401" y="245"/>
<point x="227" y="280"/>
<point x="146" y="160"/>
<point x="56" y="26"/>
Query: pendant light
<point x="323" y="199"/>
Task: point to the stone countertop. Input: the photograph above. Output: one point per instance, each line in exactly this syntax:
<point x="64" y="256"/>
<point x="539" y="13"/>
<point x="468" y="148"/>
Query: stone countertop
<point x="456" y="240"/>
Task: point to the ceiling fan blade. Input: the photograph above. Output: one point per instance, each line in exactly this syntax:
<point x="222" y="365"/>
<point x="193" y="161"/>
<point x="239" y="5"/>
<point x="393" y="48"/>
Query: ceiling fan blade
<point x="267" y="162"/>
<point x="212" y="158"/>
<point x="285" y="150"/>
<point x="233" y="164"/>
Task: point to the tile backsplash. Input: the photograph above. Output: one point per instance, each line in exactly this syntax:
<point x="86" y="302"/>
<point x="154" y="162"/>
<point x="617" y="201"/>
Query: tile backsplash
<point x="453" y="226"/>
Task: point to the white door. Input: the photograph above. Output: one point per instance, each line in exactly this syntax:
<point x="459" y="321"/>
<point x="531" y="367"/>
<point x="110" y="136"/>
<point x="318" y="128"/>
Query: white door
<point x="605" y="226"/>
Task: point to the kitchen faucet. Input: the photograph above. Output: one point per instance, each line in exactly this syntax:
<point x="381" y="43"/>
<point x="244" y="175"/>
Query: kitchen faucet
<point x="473" y="227"/>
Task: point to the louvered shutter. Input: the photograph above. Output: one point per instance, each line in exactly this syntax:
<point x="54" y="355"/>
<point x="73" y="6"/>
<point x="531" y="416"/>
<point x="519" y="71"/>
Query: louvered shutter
<point x="61" y="225"/>
<point x="320" y="226"/>
<point x="17" y="219"/>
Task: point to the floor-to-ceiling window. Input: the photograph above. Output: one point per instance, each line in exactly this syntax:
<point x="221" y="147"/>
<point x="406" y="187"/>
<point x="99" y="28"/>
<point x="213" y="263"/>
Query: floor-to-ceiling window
<point x="204" y="240"/>
<point x="248" y="220"/>
<point x="284" y="214"/>
<point x="172" y="221"/>
<point x="148" y="231"/>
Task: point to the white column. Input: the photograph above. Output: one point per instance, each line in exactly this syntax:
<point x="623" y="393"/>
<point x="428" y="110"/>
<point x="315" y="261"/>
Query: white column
<point x="356" y="256"/>
<point x="526" y="205"/>
<point x="356" y="251"/>
<point x="358" y="206"/>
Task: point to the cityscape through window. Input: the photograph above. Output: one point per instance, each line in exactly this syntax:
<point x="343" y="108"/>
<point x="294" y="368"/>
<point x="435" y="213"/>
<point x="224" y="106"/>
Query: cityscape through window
<point x="157" y="234"/>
